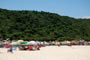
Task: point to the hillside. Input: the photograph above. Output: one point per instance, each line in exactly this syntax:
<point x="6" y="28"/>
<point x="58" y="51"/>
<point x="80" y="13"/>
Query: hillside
<point x="36" y="25"/>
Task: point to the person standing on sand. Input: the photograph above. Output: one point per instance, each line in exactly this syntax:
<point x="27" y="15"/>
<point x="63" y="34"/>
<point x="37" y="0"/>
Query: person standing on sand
<point x="10" y="49"/>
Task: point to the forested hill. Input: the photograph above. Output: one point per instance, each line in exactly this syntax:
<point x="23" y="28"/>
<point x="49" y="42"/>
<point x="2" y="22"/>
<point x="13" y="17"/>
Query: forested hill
<point x="36" y="25"/>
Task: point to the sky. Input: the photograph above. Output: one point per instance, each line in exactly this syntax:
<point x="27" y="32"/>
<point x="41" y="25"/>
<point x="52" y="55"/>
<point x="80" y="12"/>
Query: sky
<point x="72" y="8"/>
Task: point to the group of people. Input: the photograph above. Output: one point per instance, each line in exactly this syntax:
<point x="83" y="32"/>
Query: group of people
<point x="38" y="46"/>
<point x="29" y="47"/>
<point x="10" y="48"/>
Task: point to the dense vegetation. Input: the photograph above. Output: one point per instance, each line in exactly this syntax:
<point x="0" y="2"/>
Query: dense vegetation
<point x="41" y="25"/>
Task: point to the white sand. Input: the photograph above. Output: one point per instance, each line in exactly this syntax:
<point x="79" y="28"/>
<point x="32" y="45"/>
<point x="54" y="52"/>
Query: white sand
<point x="49" y="53"/>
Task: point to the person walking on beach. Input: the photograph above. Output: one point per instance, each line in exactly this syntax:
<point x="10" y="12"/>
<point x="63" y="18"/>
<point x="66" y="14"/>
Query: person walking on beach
<point x="10" y="50"/>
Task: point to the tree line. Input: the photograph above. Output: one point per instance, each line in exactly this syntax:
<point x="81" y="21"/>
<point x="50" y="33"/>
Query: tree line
<point x="42" y="26"/>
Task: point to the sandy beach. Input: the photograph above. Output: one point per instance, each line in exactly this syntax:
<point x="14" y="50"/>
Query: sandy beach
<point x="49" y="53"/>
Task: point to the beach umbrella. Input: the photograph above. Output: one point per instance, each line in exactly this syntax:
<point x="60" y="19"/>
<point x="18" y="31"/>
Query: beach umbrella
<point x="67" y="42"/>
<point x="42" y="43"/>
<point x="32" y="43"/>
<point x="19" y="41"/>
<point x="25" y="42"/>
<point x="46" y="43"/>
<point x="38" y="42"/>
<point x="14" y="43"/>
